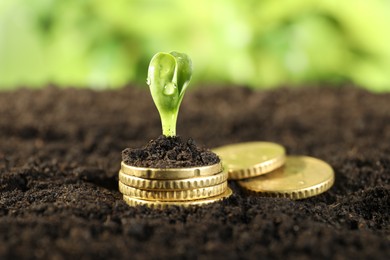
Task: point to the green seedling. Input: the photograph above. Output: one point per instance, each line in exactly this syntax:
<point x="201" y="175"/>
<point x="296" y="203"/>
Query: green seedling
<point x="168" y="77"/>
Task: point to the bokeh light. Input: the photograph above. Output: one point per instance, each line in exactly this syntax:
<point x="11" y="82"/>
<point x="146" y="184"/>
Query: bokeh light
<point x="261" y="44"/>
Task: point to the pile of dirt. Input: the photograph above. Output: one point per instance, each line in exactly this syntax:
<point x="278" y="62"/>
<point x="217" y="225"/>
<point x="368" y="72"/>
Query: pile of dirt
<point x="169" y="152"/>
<point x="60" y="153"/>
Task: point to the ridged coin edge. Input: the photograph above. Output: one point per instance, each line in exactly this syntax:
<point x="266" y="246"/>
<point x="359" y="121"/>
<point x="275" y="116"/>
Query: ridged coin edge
<point x="133" y="202"/>
<point x="257" y="170"/>
<point x="296" y="194"/>
<point x="179" y="195"/>
<point x="180" y="184"/>
<point x="171" y="173"/>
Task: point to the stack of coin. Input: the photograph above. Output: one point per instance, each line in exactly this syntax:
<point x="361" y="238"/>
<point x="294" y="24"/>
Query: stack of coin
<point x="159" y="187"/>
<point x="264" y="168"/>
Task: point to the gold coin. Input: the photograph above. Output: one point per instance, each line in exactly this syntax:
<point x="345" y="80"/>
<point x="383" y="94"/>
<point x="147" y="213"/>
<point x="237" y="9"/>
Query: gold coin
<point x="301" y="177"/>
<point x="176" y="195"/>
<point x="182" y="184"/>
<point x="131" y="201"/>
<point x="171" y="173"/>
<point x="246" y="160"/>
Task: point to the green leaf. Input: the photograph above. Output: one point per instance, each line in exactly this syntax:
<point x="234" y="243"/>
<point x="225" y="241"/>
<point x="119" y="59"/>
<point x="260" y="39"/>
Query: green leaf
<point x="168" y="77"/>
<point x="184" y="71"/>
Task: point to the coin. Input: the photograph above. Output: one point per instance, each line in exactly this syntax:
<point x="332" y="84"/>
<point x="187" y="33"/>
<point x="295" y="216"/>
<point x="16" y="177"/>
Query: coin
<point x="246" y="160"/>
<point x="171" y="173"/>
<point x="181" y="184"/>
<point x="175" y="195"/>
<point x="131" y="201"/>
<point x="301" y="177"/>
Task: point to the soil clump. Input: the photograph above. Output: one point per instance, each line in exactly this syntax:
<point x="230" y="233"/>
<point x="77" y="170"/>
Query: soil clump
<point x="169" y="152"/>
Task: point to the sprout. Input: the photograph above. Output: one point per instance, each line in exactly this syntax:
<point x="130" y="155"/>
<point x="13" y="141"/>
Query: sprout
<point x="168" y="77"/>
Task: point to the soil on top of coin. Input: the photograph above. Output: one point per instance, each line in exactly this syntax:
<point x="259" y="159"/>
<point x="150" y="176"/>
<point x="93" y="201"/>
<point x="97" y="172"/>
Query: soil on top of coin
<point x="60" y="154"/>
<point x="169" y="152"/>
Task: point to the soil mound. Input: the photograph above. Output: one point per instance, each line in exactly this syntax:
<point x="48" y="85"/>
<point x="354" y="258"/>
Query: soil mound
<point x="169" y="152"/>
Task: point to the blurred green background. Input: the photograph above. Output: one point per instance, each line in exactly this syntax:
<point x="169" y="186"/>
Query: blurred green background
<point x="259" y="43"/>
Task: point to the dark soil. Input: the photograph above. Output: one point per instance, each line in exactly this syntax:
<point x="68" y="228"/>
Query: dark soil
<point x="169" y="152"/>
<point x="60" y="152"/>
